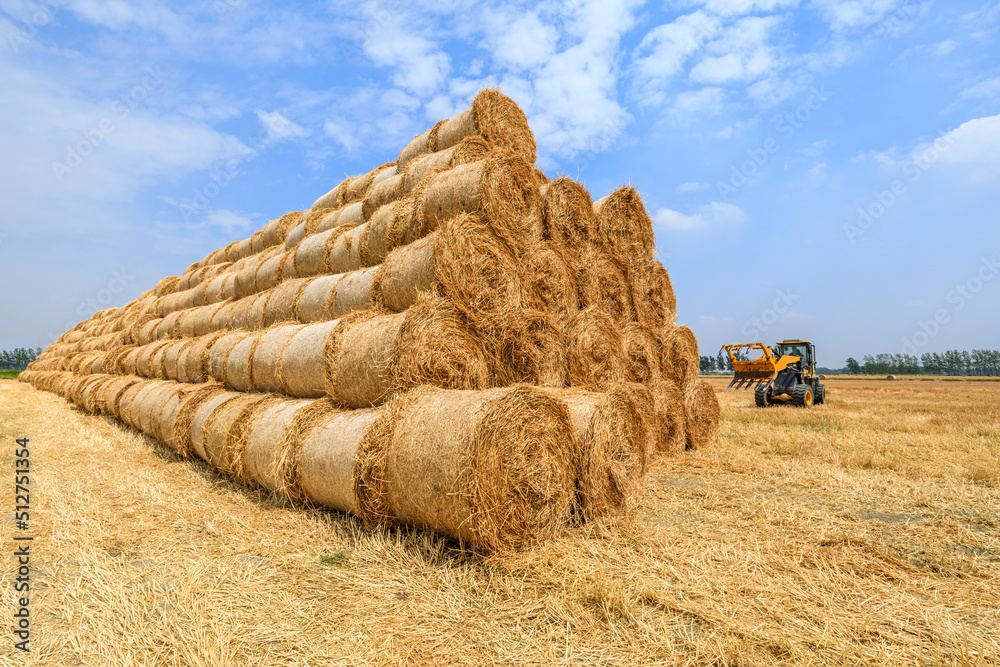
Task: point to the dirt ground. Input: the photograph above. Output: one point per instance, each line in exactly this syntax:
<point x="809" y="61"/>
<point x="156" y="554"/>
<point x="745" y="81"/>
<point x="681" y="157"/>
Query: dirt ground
<point x="866" y="530"/>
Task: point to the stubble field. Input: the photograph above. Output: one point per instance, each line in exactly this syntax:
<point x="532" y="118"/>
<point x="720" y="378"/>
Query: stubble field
<point x="865" y="531"/>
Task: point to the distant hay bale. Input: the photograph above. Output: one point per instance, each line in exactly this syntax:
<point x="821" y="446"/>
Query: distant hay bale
<point x="603" y="284"/>
<point x="642" y="354"/>
<point x="550" y="282"/>
<point x="624" y="228"/>
<point x="890" y="377"/>
<point x="822" y="376"/>
<point x="680" y="361"/>
<point x="491" y="468"/>
<point x="701" y="407"/>
<point x="568" y="214"/>
<point x="653" y="296"/>
<point x="500" y="190"/>
<point x="275" y="232"/>
<point x="609" y="432"/>
<point x="596" y="355"/>
<point x="379" y="355"/>
<point x="496" y="118"/>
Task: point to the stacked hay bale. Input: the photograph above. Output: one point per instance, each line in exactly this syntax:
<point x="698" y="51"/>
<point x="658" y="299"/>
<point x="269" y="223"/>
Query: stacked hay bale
<point x="450" y="341"/>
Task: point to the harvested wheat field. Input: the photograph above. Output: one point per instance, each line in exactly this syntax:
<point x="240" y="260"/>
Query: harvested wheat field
<point x="866" y="530"/>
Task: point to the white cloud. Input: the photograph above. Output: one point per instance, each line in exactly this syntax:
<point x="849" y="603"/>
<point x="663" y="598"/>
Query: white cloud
<point x="664" y="51"/>
<point x="417" y="63"/>
<point x="984" y="90"/>
<point x="975" y="143"/>
<point x="710" y="215"/>
<point x="518" y="39"/>
<point x="230" y="223"/>
<point x="692" y="187"/>
<point x="855" y="14"/>
<point x="278" y="128"/>
<point x="699" y="103"/>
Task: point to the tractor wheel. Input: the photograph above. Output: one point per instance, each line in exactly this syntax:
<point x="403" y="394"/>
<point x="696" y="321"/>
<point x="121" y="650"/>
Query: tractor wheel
<point x="820" y="397"/>
<point x="760" y="397"/>
<point x="802" y="396"/>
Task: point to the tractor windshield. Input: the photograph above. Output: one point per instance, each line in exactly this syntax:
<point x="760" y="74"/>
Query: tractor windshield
<point x="798" y="350"/>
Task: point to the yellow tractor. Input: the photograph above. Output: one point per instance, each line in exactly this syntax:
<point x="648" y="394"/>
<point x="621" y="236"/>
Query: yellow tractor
<point x="784" y="374"/>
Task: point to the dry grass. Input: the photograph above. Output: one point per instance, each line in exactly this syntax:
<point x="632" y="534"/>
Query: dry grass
<point x="862" y="531"/>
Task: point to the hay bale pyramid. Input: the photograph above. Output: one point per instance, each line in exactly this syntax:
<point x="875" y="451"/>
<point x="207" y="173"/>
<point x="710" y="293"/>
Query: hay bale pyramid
<point x="451" y="341"/>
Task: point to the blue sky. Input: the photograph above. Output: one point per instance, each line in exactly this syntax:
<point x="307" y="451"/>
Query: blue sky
<point x="817" y="169"/>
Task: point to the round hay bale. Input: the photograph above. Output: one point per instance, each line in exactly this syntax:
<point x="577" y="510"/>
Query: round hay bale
<point x="312" y="254"/>
<point x="239" y="313"/>
<point x="129" y="362"/>
<point x="240" y="362"/>
<point x="389" y="227"/>
<point x="264" y="371"/>
<point x="257" y="315"/>
<point x="680" y="361"/>
<point x="113" y="393"/>
<point x="353" y="292"/>
<point x="345" y="253"/>
<point x="334" y="198"/>
<point x="568" y="216"/>
<point x="701" y="408"/>
<point x="890" y="377"/>
<point x="204" y="322"/>
<point x="171" y="358"/>
<point x="603" y="284"/>
<point x="496" y="118"/>
<point x="490" y="468"/>
<point x="186" y="322"/>
<point x="596" y="355"/>
<point x="92" y="397"/>
<point x="525" y="345"/>
<point x="326" y="458"/>
<point x="166" y="285"/>
<point x="217" y="439"/>
<point x="179" y="438"/>
<point x="384" y="192"/>
<point x="653" y="296"/>
<point x="218" y="355"/>
<point x="264" y="441"/>
<point x="468" y="150"/>
<point x="425" y="143"/>
<point x="302" y="368"/>
<point x="500" y="190"/>
<point x="329" y="221"/>
<point x="383" y="354"/>
<point x="283" y="304"/>
<point x="624" y="228"/>
<point x="549" y="280"/>
<point x="642" y="353"/>
<point x="609" y="432"/>
<point x="198" y="422"/>
<point x="822" y="376"/>
<point x="670" y="417"/>
<point x="192" y="362"/>
<point x="317" y="298"/>
<point x="276" y="231"/>
<point x="269" y="273"/>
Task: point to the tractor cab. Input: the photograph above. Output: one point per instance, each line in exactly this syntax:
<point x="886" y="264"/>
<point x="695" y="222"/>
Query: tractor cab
<point x="803" y="349"/>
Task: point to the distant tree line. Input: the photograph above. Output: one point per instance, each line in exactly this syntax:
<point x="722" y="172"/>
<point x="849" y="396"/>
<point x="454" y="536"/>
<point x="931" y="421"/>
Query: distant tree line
<point x="18" y="358"/>
<point x="952" y="362"/>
